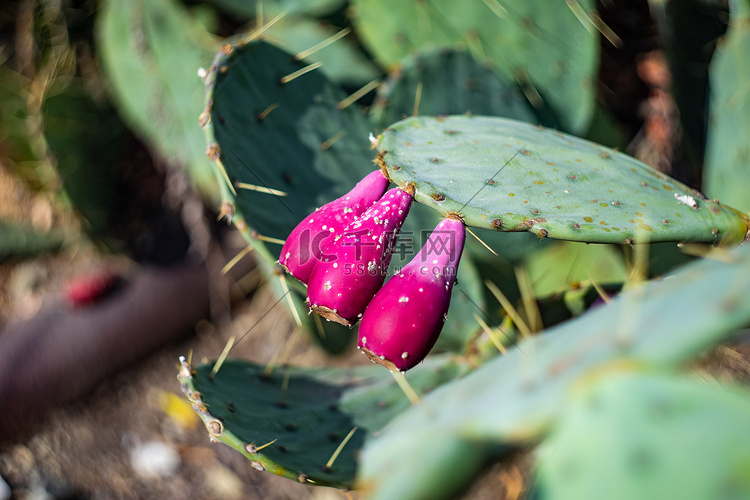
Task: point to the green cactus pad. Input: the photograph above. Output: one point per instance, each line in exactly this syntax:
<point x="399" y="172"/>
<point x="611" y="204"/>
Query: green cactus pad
<point x="242" y="9"/>
<point x="549" y="48"/>
<point x="651" y="429"/>
<point x="421" y="81"/>
<point x="274" y="131"/>
<point x="342" y="61"/>
<point x="151" y="52"/>
<point x="305" y="413"/>
<point x="508" y="175"/>
<point x="727" y="173"/>
<point x="517" y="397"/>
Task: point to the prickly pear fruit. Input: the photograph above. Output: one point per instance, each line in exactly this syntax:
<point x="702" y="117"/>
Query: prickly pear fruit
<point x="404" y="319"/>
<point x="309" y="239"/>
<point x="354" y="265"/>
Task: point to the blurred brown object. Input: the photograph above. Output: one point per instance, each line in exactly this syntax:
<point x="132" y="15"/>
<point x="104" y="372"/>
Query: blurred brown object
<point x="63" y="352"/>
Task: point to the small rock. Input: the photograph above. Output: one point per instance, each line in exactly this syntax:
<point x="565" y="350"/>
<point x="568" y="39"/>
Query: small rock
<point x="224" y="483"/>
<point x="154" y="459"/>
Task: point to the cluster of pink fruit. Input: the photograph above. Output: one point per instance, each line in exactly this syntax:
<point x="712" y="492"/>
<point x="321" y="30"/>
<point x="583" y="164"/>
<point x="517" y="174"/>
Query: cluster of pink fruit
<point x="342" y="251"/>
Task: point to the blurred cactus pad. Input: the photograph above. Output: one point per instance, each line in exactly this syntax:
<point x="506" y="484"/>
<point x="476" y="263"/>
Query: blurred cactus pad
<point x="507" y="175"/>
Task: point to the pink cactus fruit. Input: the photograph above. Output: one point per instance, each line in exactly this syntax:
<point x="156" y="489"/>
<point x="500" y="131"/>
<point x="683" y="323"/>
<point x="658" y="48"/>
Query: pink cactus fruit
<point x="307" y="241"/>
<point x="353" y="267"/>
<point x="404" y="319"/>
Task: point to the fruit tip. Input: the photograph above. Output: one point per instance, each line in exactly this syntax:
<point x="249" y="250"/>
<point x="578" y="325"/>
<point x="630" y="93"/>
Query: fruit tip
<point x="329" y="314"/>
<point x="381" y="360"/>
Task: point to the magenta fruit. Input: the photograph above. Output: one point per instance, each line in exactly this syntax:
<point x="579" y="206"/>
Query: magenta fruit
<point x="404" y="319"/>
<point x="353" y="267"/>
<point x="309" y="239"/>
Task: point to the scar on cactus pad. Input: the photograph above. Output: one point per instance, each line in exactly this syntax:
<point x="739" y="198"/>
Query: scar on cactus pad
<point x="404" y="319"/>
<point x="354" y="265"/>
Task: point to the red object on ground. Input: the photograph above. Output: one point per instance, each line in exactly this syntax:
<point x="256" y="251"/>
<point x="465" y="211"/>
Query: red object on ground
<point x="86" y="289"/>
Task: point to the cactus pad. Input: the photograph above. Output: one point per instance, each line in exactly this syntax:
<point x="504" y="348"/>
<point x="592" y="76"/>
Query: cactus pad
<point x="507" y="175"/>
<point x="151" y="51"/>
<point x="550" y="48"/>
<point x="643" y="326"/>
<point x="274" y="126"/>
<point x="305" y="413"/>
<point x="727" y="151"/>
<point x="421" y="81"/>
<point x="651" y="429"/>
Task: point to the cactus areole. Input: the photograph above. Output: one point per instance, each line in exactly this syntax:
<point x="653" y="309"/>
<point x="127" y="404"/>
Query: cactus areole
<point x="404" y="319"/>
<point x="310" y="238"/>
<point x="353" y="267"/>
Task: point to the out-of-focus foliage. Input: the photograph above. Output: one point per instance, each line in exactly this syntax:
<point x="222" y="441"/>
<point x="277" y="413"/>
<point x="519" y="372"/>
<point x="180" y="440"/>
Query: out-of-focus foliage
<point x="151" y="51"/>
<point x="728" y="148"/>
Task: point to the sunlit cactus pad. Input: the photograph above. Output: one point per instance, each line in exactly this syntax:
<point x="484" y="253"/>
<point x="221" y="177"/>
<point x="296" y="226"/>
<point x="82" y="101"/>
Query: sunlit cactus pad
<point x="291" y="421"/>
<point x="508" y="175"/>
<point x="540" y="44"/>
<point x="518" y="397"/>
<point x="651" y="428"/>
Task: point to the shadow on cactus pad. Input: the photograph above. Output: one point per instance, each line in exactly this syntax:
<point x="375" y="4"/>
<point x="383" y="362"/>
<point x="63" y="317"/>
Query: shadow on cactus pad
<point x="292" y="421"/>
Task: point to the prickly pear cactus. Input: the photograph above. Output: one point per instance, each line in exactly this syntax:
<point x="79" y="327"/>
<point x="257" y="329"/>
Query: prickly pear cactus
<point x="299" y="139"/>
<point x="507" y="175"/>
<point x="151" y="51"/>
<point x="650" y="429"/>
<point x="660" y="324"/>
<point x="727" y="151"/>
<point x="420" y="84"/>
<point x="291" y="421"/>
<point x="551" y="49"/>
<point x="275" y="129"/>
<point x="341" y="61"/>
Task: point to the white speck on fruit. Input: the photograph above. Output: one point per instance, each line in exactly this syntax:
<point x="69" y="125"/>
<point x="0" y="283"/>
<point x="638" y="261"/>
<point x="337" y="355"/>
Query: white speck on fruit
<point x="371" y="266"/>
<point x="404" y="355"/>
<point x="364" y="340"/>
<point x="327" y="285"/>
<point x="404" y="299"/>
<point x="335" y="265"/>
<point x="421" y="289"/>
<point x="288" y="254"/>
